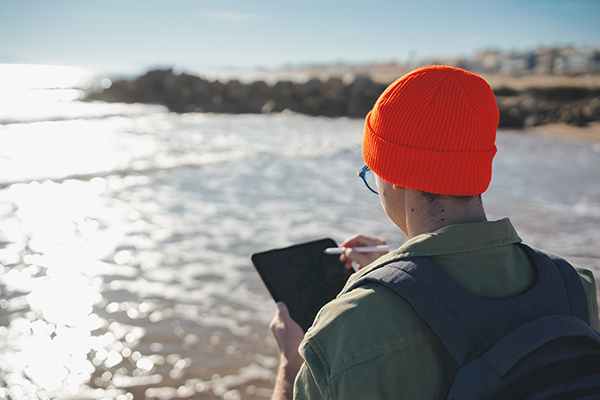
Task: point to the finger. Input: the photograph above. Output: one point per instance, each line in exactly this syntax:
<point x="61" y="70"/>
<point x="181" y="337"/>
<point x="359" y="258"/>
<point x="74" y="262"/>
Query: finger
<point x="282" y="311"/>
<point x="360" y="258"/>
<point x="348" y="264"/>
<point x="277" y="321"/>
<point x="356" y="240"/>
<point x="362" y="240"/>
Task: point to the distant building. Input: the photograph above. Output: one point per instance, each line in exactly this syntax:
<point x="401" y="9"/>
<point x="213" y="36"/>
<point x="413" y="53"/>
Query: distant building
<point x="487" y="60"/>
<point x="575" y="60"/>
<point x="545" y="60"/>
<point x="557" y="60"/>
<point x="514" y="63"/>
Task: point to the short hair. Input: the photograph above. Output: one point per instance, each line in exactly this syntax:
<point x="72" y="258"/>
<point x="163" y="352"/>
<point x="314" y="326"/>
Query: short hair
<point x="431" y="200"/>
<point x="434" y="198"/>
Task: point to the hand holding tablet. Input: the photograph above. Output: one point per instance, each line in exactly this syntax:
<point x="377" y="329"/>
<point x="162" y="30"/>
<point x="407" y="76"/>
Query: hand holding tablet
<point x="302" y="276"/>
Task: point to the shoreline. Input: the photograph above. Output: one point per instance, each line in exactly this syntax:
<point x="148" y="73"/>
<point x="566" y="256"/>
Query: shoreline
<point x="590" y="133"/>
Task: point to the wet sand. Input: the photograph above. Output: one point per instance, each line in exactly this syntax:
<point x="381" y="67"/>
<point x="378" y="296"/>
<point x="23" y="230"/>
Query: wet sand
<point x="591" y="132"/>
<point x="524" y="82"/>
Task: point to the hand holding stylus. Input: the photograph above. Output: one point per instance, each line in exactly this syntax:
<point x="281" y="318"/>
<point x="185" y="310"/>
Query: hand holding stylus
<point x="353" y="250"/>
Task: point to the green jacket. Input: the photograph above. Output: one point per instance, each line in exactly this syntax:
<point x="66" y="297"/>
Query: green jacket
<point x="370" y="344"/>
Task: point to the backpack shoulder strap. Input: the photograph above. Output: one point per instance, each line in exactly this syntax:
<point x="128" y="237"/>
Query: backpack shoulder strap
<point x="576" y="297"/>
<point x="399" y="277"/>
<point x="467" y="324"/>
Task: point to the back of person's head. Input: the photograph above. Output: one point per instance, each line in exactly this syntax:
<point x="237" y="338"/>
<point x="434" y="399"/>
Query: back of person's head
<point x="434" y="130"/>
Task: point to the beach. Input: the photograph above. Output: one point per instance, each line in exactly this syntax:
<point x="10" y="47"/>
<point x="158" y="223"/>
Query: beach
<point x="126" y="231"/>
<point x="591" y="132"/>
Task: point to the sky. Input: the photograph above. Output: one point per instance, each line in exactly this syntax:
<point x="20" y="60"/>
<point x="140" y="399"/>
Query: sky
<point x="249" y="34"/>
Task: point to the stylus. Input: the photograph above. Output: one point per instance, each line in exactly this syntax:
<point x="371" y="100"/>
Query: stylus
<point x="365" y="249"/>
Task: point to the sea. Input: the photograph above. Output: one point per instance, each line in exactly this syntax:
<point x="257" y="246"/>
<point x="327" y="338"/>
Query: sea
<point x="126" y="232"/>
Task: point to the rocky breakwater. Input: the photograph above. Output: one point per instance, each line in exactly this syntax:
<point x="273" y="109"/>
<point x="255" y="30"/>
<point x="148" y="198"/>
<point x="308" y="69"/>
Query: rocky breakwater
<point x="186" y="93"/>
<point x="547" y="105"/>
<point x="335" y="97"/>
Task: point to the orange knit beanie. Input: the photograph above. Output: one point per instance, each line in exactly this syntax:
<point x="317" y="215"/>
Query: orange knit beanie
<point x="434" y="130"/>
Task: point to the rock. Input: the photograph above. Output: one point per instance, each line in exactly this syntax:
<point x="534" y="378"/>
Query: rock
<point x="268" y="107"/>
<point x="530" y="105"/>
<point x="311" y="88"/>
<point x="531" y="120"/>
<point x="363" y="94"/>
<point x="505" y="91"/>
<point x="592" y="109"/>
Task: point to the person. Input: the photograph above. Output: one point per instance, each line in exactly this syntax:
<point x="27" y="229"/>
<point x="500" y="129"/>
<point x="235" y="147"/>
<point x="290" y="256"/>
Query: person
<point x="430" y="141"/>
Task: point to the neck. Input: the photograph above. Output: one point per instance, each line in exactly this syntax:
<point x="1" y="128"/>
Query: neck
<point x="425" y="216"/>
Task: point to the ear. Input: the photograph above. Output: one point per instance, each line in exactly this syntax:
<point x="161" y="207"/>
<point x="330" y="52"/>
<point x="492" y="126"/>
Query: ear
<point x="397" y="187"/>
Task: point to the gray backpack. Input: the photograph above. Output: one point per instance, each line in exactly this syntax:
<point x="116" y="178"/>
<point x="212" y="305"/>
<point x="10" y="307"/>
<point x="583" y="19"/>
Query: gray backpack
<point x="538" y="345"/>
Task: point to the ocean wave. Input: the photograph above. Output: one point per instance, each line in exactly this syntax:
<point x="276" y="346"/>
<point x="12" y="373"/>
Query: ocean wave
<point x="138" y="168"/>
<point x="126" y="139"/>
<point x="9" y="121"/>
<point x="68" y="111"/>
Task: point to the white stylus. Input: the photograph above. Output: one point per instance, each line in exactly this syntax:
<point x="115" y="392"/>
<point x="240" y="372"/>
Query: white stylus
<point x="364" y="249"/>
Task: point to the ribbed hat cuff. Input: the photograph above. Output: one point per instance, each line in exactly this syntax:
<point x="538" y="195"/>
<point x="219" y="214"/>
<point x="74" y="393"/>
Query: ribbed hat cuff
<point x="440" y="172"/>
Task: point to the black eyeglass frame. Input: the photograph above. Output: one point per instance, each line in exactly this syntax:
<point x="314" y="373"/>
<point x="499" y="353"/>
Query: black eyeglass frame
<point x="363" y="174"/>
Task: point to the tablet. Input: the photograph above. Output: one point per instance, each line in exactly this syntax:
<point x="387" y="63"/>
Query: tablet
<point x="303" y="277"/>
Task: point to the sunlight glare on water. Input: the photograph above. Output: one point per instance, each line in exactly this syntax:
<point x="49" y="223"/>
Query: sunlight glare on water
<point x="58" y="284"/>
<point x="39" y="86"/>
<point x="28" y="76"/>
<point x="61" y="148"/>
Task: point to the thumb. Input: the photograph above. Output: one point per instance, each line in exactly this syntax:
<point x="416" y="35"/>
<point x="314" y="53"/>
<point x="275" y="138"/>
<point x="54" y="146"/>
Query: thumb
<point x="282" y="311"/>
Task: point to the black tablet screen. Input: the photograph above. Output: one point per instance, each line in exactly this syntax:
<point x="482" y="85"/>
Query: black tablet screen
<point x="303" y="277"/>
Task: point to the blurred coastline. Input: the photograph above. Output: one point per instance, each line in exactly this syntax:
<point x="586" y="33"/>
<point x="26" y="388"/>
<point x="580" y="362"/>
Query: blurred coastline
<point x="554" y="90"/>
<point x="566" y="105"/>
